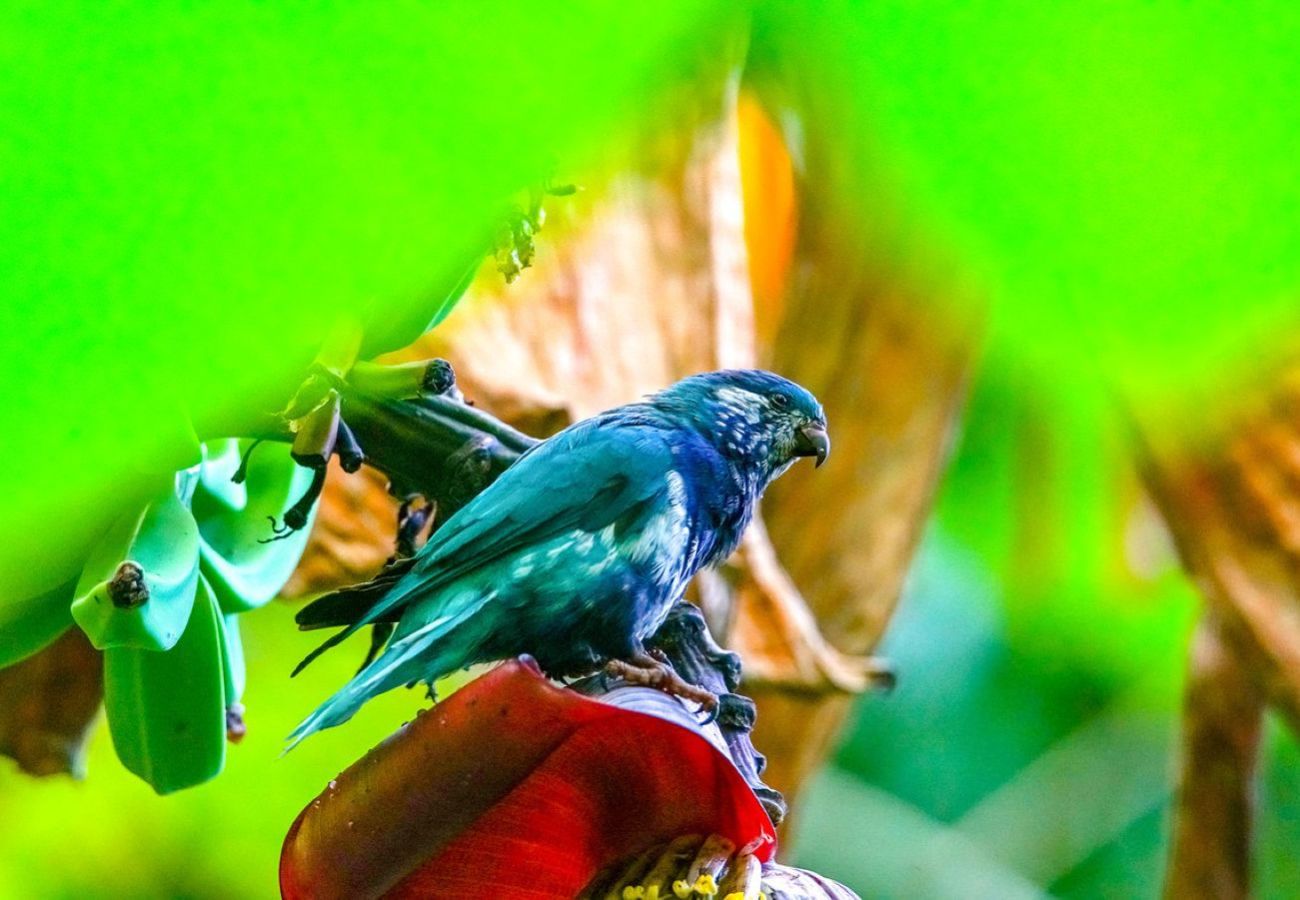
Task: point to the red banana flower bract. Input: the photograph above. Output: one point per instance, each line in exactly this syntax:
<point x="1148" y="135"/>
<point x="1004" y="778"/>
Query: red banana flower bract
<point x="514" y="787"/>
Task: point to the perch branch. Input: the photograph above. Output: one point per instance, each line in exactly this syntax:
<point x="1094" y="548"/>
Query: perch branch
<point x="685" y="640"/>
<point x="430" y="445"/>
<point x="1222" y="719"/>
<point x="433" y="446"/>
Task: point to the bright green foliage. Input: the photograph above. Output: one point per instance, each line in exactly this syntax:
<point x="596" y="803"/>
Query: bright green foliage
<point x="28" y="624"/>
<point x="162" y="539"/>
<point x="167" y="711"/>
<point x="244" y="567"/>
<point x="1119" y="178"/>
<point x="191" y="195"/>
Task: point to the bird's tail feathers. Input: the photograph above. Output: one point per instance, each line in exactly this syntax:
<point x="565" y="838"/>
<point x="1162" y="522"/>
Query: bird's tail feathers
<point x="349" y="605"/>
<point x="352" y="607"/>
<point x="426" y="654"/>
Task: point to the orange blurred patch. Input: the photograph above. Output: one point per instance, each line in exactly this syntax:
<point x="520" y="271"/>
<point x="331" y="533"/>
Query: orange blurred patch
<point x="767" y="180"/>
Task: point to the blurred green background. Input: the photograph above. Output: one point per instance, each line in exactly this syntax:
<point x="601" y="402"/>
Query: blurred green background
<point x="189" y="194"/>
<point x="1030" y="748"/>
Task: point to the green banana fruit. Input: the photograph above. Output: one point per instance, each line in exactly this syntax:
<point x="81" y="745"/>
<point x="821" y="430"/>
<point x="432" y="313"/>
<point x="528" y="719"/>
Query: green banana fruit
<point x="137" y="587"/>
<point x="234" y="674"/>
<point x="403" y="381"/>
<point x="244" y="567"/>
<point x="233" y="677"/>
<point x="166" y="711"/>
<point x="29" y="624"/>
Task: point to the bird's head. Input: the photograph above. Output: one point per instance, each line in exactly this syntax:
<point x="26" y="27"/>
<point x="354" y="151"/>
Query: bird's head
<point x="754" y="417"/>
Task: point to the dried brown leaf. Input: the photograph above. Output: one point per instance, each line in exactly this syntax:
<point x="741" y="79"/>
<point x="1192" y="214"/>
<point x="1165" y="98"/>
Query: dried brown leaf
<point x="48" y="706"/>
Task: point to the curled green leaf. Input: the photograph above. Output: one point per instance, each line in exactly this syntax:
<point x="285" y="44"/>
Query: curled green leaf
<point x="29" y="624"/>
<point x="244" y="569"/>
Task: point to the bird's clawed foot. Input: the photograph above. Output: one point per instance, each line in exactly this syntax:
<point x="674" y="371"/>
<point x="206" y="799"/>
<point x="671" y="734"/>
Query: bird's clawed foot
<point x="647" y="671"/>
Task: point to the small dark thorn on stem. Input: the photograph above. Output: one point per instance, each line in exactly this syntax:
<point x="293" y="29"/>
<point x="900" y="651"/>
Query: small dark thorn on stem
<point x="241" y="473"/>
<point x="737" y="711"/>
<point x="127" y="588"/>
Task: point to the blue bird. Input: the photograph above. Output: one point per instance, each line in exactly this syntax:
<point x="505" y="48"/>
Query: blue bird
<point x="576" y="554"/>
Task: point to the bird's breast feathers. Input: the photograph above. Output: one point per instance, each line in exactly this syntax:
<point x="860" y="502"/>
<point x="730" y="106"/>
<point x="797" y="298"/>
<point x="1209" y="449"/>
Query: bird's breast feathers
<point x="667" y="543"/>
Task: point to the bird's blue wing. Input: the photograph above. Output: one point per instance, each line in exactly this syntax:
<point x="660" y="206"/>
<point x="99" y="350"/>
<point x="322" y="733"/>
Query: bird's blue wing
<point x="589" y="476"/>
<point x="586" y="477"/>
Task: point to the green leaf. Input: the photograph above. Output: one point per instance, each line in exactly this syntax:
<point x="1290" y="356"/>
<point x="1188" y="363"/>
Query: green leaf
<point x="166" y="711"/>
<point x="1118" y="179"/>
<point x="161" y="542"/>
<point x="245" y="568"/>
<point x="192" y="195"/>
<point x="29" y="624"/>
<point x="221" y="460"/>
<point x="398" y="333"/>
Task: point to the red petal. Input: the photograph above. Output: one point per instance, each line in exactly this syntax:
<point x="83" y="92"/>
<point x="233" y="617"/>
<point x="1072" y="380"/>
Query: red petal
<point x="512" y="784"/>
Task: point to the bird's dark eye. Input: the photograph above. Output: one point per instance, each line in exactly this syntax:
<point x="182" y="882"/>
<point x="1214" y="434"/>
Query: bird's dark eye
<point x="781" y="401"/>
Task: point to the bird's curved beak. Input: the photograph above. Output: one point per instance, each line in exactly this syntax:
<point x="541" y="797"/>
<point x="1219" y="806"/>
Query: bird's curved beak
<point x="812" y="440"/>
